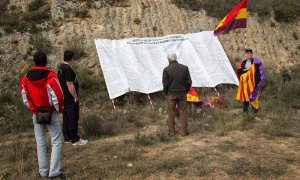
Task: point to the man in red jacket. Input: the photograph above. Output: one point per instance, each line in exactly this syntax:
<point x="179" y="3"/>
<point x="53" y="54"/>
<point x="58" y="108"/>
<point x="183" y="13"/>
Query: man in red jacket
<point x="40" y="88"/>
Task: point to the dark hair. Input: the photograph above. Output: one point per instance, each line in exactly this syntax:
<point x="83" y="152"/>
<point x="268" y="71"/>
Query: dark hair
<point x="40" y="58"/>
<point x="68" y="55"/>
<point x="248" y="50"/>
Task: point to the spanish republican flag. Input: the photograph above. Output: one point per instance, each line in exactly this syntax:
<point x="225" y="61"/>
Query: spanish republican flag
<point x="237" y="18"/>
<point x="192" y="96"/>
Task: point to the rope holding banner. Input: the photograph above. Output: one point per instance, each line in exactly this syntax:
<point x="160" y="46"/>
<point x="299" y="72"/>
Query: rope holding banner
<point x="150" y="101"/>
<point x="113" y="104"/>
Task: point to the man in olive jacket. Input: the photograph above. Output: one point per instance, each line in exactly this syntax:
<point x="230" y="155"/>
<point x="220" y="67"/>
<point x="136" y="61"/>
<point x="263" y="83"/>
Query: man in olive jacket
<point x="176" y="83"/>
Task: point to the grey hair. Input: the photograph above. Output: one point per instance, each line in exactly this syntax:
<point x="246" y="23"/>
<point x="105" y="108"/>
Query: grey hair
<point x="172" y="57"/>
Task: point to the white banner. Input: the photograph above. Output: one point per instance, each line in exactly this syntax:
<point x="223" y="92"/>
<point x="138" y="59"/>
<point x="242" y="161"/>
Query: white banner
<point x="136" y="64"/>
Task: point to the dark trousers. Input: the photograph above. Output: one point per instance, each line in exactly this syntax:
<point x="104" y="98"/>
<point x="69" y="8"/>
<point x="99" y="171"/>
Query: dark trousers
<point x="246" y="107"/>
<point x="70" y="121"/>
<point x="180" y="100"/>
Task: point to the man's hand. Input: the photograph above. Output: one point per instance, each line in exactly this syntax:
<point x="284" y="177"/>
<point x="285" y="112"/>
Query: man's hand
<point x="72" y="90"/>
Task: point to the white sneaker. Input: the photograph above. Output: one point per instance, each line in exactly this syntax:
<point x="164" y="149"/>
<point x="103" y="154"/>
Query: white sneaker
<point x="80" y="142"/>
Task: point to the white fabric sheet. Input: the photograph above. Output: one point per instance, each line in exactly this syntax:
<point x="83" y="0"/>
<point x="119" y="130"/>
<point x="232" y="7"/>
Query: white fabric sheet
<point x="136" y="64"/>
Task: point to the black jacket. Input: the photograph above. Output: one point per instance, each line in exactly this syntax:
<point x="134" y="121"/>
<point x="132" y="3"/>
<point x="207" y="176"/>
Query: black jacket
<point x="176" y="78"/>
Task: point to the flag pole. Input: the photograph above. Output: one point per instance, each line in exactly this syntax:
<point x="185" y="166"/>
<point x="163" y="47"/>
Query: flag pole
<point x="245" y="38"/>
<point x="113" y="102"/>
<point x="150" y="101"/>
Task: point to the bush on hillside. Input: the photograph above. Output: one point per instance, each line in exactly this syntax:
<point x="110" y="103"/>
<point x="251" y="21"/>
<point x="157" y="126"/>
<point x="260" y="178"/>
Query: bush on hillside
<point x="284" y="10"/>
<point x="3" y="7"/>
<point x="76" y="46"/>
<point x="18" y="21"/>
<point x="40" y="43"/>
<point x="36" y="5"/>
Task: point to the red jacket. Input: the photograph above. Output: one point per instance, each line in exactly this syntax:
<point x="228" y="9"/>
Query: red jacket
<point x="44" y="89"/>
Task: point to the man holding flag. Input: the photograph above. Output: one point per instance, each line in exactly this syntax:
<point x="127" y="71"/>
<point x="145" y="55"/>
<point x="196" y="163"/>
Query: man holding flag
<point x="250" y="71"/>
<point x="251" y="76"/>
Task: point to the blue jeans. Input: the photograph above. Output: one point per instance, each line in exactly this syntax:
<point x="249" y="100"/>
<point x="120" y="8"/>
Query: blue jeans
<point x="56" y="142"/>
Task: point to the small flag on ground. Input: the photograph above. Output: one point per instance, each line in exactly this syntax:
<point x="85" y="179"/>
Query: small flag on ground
<point x="237" y="18"/>
<point x="192" y="96"/>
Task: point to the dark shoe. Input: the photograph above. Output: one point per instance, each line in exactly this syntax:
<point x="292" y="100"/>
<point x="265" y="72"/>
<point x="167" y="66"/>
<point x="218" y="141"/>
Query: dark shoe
<point x="60" y="176"/>
<point x="184" y="134"/>
<point x="171" y="134"/>
<point x="254" y="110"/>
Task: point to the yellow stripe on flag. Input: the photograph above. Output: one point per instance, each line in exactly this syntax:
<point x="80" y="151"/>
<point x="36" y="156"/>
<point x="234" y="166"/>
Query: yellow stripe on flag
<point x="221" y="23"/>
<point x="191" y="98"/>
<point x="242" y="14"/>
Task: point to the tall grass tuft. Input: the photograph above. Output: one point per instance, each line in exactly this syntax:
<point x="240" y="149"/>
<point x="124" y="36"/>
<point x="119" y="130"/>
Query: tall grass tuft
<point x="94" y="125"/>
<point x="130" y="153"/>
<point x="40" y="43"/>
<point x="75" y="44"/>
<point x="143" y="139"/>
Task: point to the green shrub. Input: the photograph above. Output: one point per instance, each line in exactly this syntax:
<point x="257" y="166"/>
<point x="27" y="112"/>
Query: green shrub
<point x="81" y="13"/>
<point x="143" y="139"/>
<point x="137" y="21"/>
<point x="87" y="80"/>
<point x="170" y="164"/>
<point x="40" y="43"/>
<point x="284" y="10"/>
<point x="295" y="35"/>
<point x="130" y="153"/>
<point x="37" y="16"/>
<point x="94" y="125"/>
<point x="16" y="20"/>
<point x="7" y="97"/>
<point x="18" y="118"/>
<point x="247" y="120"/>
<point x="162" y="135"/>
<point x="36" y="5"/>
<point x="3" y="7"/>
<point x="226" y="145"/>
<point x="75" y="45"/>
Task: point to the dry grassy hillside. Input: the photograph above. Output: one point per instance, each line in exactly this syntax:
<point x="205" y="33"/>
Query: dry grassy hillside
<point x="131" y="142"/>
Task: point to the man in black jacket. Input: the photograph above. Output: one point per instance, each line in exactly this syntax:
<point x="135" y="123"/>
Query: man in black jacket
<point x="176" y="83"/>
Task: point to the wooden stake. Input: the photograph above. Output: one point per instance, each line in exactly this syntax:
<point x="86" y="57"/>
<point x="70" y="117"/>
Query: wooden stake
<point x="113" y="104"/>
<point x="245" y="39"/>
<point x="217" y="92"/>
<point x="150" y="101"/>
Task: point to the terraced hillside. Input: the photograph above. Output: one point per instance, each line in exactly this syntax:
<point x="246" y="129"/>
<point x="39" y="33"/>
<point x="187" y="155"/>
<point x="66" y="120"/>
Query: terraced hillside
<point x="131" y="142"/>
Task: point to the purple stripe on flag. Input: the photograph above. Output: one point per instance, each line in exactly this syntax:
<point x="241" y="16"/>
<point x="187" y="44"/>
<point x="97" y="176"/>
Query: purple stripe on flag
<point x="254" y="93"/>
<point x="235" y="24"/>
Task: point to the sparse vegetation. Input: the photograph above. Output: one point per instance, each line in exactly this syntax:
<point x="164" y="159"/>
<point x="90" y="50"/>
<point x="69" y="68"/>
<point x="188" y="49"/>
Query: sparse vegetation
<point x="75" y="44"/>
<point x="137" y="21"/>
<point x="81" y="13"/>
<point x="284" y="10"/>
<point x="40" y="43"/>
<point x="131" y="142"/>
<point x="20" y="21"/>
<point x="226" y="145"/>
<point x="295" y="35"/>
